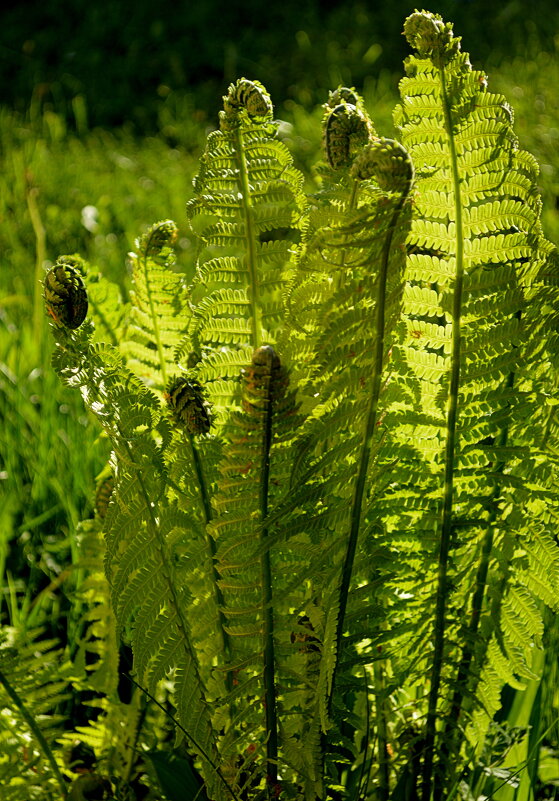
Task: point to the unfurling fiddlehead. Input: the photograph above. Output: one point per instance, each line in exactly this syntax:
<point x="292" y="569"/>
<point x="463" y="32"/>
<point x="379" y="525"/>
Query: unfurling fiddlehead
<point x="347" y="128"/>
<point x="431" y="37"/>
<point x="158" y="240"/>
<point x="248" y="96"/>
<point x="388" y="163"/>
<point x="65" y="295"/>
<point x="343" y="94"/>
<point x="187" y="405"/>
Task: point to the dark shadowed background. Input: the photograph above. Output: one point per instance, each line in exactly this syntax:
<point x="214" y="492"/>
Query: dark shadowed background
<point x="122" y="60"/>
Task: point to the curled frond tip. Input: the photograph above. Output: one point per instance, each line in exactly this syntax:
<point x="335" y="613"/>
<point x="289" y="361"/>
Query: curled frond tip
<point x="188" y="407"/>
<point x="388" y="162"/>
<point x="248" y="96"/>
<point x="431" y="36"/>
<point x="65" y="294"/>
<point x="346" y="129"/>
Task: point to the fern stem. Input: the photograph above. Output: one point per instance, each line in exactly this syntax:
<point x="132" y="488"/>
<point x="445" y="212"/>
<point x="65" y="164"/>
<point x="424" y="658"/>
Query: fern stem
<point x="382" y="734"/>
<point x="268" y="612"/>
<point x="452" y="730"/>
<point x="254" y="288"/>
<point x="189" y="737"/>
<point x="167" y="573"/>
<point x="362" y="784"/>
<point x="38" y="734"/>
<point x="153" y="315"/>
<point x="212" y="548"/>
<point x="450" y="449"/>
<point x="266" y="569"/>
<point x="204" y="497"/>
<point x="363" y="466"/>
<point x="133" y="749"/>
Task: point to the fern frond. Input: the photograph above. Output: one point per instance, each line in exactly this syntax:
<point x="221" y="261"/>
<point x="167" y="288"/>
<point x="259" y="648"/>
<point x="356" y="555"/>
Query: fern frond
<point x="253" y="475"/>
<point x="141" y="557"/>
<point x="479" y="222"/>
<point x="96" y="658"/>
<point x="159" y="311"/>
<point x="31" y="693"/>
<point x="247" y="212"/>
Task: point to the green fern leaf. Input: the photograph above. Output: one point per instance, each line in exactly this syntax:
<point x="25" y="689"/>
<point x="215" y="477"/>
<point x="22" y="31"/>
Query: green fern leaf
<point x="247" y="212"/>
<point x="159" y="310"/>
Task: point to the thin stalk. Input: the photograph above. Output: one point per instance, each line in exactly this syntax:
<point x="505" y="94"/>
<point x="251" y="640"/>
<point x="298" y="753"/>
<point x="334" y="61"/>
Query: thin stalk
<point x="133" y="749"/>
<point x="250" y="233"/>
<point x="265" y="565"/>
<point x="382" y="734"/>
<point x="451" y="728"/>
<point x="268" y="612"/>
<point x="189" y="737"/>
<point x="450" y="449"/>
<point x="166" y="565"/>
<point x="198" y="469"/>
<point x="370" y="428"/>
<point x="167" y="573"/>
<point x="361" y="785"/>
<point x="364" y="459"/>
<point x="212" y="549"/>
<point x="37" y="733"/>
<point x="40" y="253"/>
<point x="156" y="331"/>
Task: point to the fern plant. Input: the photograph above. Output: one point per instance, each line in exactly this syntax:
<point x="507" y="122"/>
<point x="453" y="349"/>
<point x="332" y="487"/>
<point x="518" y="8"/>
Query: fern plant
<point x="331" y="526"/>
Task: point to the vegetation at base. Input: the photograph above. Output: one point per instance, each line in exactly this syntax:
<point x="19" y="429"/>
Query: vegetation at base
<point x="93" y="193"/>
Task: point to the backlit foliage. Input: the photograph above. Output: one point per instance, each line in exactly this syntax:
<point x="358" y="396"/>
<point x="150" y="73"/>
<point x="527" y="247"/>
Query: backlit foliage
<point x="333" y="506"/>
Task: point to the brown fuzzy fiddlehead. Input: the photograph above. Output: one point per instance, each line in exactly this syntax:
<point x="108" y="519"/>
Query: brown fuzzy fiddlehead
<point x="248" y="97"/>
<point x="347" y="129"/>
<point x="65" y="294"/>
<point x="188" y="407"/>
<point x="265" y="381"/>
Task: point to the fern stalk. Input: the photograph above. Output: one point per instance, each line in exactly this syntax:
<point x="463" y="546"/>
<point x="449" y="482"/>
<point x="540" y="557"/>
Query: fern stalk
<point x="133" y="750"/>
<point x="156" y="328"/>
<point x="266" y="569"/>
<point x="167" y="572"/>
<point x="212" y="549"/>
<point x="267" y="436"/>
<point x="189" y="737"/>
<point x="246" y="205"/>
<point x="451" y="730"/>
<point x="449" y="459"/>
<point x="381" y="714"/>
<point x="37" y="733"/>
<point x="363" y="467"/>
